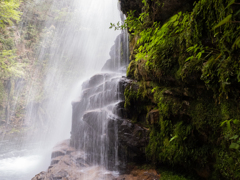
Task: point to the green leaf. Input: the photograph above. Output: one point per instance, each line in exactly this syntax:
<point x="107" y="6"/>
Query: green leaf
<point x="174" y="137"/>
<point x="234" y="146"/>
<point x="188" y="59"/>
<point x="224" y="21"/>
<point x="236" y="43"/>
<point x="237" y="13"/>
<point x="236" y="121"/>
<point x="234" y="137"/>
<point x="231" y="2"/>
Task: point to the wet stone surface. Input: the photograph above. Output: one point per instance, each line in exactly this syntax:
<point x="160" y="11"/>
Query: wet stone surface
<point x="70" y="164"/>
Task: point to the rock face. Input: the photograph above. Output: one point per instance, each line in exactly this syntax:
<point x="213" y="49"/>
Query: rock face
<point x="127" y="6"/>
<point x="158" y="13"/>
<point x="102" y="137"/>
<point x="91" y="116"/>
<point x="100" y="121"/>
<point x="191" y="103"/>
<point x="118" y="54"/>
<point x="101" y="126"/>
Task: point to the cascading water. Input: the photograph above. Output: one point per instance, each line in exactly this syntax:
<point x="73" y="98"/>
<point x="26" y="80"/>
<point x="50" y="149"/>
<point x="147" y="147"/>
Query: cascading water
<point x="93" y="127"/>
<point x="76" y="45"/>
<point x="94" y="148"/>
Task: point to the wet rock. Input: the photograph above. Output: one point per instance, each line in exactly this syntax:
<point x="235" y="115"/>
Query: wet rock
<point x="72" y="165"/>
<point x="101" y="126"/>
<point x="171" y="7"/>
<point x="132" y="140"/>
<point x="40" y="176"/>
<point x="128" y="5"/>
<point x="124" y="82"/>
<point x="133" y="136"/>
<point x="95" y="80"/>
<point x="120" y="111"/>
<point x="57" y="153"/>
<point x="104" y="98"/>
<point x="119" y="54"/>
<point x="54" y="161"/>
<point x="95" y="118"/>
<point x="110" y="65"/>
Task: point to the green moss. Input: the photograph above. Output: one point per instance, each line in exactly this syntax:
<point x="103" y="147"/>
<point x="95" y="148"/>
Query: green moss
<point x="137" y="101"/>
<point x="193" y="134"/>
<point x="190" y="131"/>
<point x="180" y="49"/>
<point x="197" y="127"/>
<point x="131" y="69"/>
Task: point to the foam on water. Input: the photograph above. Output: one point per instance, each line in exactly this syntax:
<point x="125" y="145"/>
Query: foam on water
<point x="22" y="165"/>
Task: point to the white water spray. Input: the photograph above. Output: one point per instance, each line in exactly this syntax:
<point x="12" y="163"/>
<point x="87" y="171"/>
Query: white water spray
<point x="76" y="45"/>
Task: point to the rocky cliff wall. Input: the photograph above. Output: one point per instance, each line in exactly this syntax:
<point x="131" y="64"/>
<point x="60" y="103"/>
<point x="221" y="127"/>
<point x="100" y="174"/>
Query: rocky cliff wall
<point x="184" y="85"/>
<point x="104" y="92"/>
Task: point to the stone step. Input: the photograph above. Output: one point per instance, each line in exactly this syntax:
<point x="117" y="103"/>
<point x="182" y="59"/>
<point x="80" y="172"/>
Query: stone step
<point x="98" y="79"/>
<point x="111" y="84"/>
<point x="96" y="119"/>
<point x="104" y="98"/>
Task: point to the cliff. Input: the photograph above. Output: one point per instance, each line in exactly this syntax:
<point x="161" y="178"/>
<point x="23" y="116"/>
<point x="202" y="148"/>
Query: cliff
<point x="185" y="83"/>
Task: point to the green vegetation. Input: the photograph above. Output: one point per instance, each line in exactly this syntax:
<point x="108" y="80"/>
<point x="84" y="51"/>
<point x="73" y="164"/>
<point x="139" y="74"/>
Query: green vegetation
<point x="29" y="34"/>
<point x="187" y="45"/>
<point x="9" y="12"/>
<point x="20" y="32"/>
<point x="167" y="174"/>
<point x="11" y="69"/>
<point x="192" y="60"/>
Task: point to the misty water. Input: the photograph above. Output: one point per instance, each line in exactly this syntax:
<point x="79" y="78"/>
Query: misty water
<point x="73" y="49"/>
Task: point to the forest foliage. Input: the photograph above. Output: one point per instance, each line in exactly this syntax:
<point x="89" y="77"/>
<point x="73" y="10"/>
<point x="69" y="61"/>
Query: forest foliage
<point x="9" y="12"/>
<point x="9" y="15"/>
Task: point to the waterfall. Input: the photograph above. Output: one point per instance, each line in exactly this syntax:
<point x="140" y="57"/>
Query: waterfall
<point x="94" y="121"/>
<point x="75" y="45"/>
